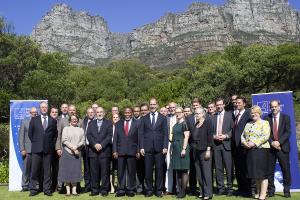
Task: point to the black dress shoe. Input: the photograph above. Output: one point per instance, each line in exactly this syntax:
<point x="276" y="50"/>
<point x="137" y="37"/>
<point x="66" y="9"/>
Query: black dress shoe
<point x="149" y="194"/>
<point x="31" y="194"/>
<point x="94" y="194"/>
<point x="86" y="190"/>
<point x="271" y="194"/>
<point x="130" y="194"/>
<point x="104" y="194"/>
<point x="120" y="194"/>
<point x="159" y="194"/>
<point x="287" y="195"/>
<point x="49" y="194"/>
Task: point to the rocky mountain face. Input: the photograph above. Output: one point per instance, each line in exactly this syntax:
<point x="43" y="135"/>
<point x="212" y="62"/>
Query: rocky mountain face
<point x="173" y="38"/>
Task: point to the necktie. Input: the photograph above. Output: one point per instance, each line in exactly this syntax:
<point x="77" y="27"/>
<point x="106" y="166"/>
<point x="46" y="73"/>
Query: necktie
<point x="153" y="119"/>
<point x="99" y="123"/>
<point x="275" y="129"/>
<point x="235" y="124"/>
<point x="45" y="123"/>
<point x="126" y="128"/>
<point x="65" y="115"/>
<point x="220" y="124"/>
<point x="237" y="119"/>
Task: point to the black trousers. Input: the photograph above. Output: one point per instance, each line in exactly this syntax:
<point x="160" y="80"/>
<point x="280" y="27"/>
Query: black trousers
<point x="41" y="170"/>
<point x="223" y="159"/>
<point x="140" y="174"/>
<point x="99" y="172"/>
<point x="55" y="168"/>
<point x="239" y="157"/>
<point x="192" y="173"/>
<point x="284" y="162"/>
<point x="126" y="164"/>
<point x="157" y="159"/>
<point x="204" y="174"/>
<point x="86" y="168"/>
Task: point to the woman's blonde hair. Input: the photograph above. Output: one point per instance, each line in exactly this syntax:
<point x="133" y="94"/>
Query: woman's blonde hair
<point x="256" y="109"/>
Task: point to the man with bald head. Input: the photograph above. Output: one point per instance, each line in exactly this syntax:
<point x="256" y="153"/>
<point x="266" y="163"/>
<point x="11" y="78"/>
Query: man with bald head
<point x="99" y="136"/>
<point x="25" y="149"/>
<point x="42" y="134"/>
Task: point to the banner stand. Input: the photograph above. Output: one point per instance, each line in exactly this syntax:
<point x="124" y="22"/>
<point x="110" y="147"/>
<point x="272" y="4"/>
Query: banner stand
<point x="19" y="110"/>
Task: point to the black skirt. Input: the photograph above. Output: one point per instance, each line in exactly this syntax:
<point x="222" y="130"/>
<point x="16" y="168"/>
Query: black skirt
<point x="258" y="163"/>
<point x="69" y="168"/>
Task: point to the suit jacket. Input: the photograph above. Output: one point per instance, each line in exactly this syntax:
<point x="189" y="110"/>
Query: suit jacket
<point x="60" y="117"/>
<point x="226" y="129"/>
<point x="42" y="141"/>
<point x="103" y="137"/>
<point x="153" y="139"/>
<point x="24" y="141"/>
<point x="62" y="123"/>
<point x="190" y="121"/>
<point x="239" y="128"/>
<point x="126" y="145"/>
<point x="284" y="131"/>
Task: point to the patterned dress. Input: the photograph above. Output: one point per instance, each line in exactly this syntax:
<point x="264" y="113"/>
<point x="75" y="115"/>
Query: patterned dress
<point x="258" y="157"/>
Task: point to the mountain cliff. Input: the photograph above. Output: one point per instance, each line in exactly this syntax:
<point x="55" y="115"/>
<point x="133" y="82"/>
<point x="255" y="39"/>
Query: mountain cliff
<point x="173" y="38"/>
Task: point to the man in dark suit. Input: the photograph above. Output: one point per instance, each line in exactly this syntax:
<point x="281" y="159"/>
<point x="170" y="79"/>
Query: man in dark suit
<point x="222" y="124"/>
<point x="240" y="120"/>
<point x="42" y="134"/>
<point x="125" y="149"/>
<point x="90" y="115"/>
<point x="99" y="135"/>
<point x="153" y="145"/>
<point x="140" y="163"/>
<point x="280" y="147"/>
<point x="25" y="149"/>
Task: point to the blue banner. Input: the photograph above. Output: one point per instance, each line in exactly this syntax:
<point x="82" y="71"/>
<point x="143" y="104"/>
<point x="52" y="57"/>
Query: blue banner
<point x="19" y="110"/>
<point x="287" y="107"/>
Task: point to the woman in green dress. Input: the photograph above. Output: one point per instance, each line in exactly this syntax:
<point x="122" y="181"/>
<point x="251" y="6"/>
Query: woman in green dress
<point x="180" y="151"/>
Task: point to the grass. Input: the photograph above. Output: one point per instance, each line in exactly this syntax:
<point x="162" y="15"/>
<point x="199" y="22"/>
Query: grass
<point x="5" y="195"/>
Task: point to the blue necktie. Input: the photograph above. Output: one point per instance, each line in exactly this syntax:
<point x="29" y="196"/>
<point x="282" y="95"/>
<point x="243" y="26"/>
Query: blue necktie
<point x="153" y="119"/>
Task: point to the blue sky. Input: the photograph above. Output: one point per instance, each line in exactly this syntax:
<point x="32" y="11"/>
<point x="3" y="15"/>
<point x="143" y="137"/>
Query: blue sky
<point x="121" y="15"/>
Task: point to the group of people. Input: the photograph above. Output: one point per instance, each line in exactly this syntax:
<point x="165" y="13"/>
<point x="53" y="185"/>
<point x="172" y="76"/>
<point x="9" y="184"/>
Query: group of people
<point x="185" y="147"/>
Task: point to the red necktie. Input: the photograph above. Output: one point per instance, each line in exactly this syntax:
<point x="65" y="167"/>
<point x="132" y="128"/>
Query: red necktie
<point x="126" y="128"/>
<point x="235" y="124"/>
<point x="275" y="129"/>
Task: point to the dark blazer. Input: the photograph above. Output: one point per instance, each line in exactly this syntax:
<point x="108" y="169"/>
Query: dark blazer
<point x="103" y="137"/>
<point x="284" y="131"/>
<point x="153" y="138"/>
<point x="202" y="137"/>
<point x="126" y="145"/>
<point x="226" y="128"/>
<point x="239" y="128"/>
<point x="42" y="141"/>
<point x="190" y="121"/>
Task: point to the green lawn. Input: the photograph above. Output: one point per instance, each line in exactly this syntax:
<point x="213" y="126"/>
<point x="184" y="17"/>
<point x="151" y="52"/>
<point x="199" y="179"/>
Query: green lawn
<point x="5" y="195"/>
